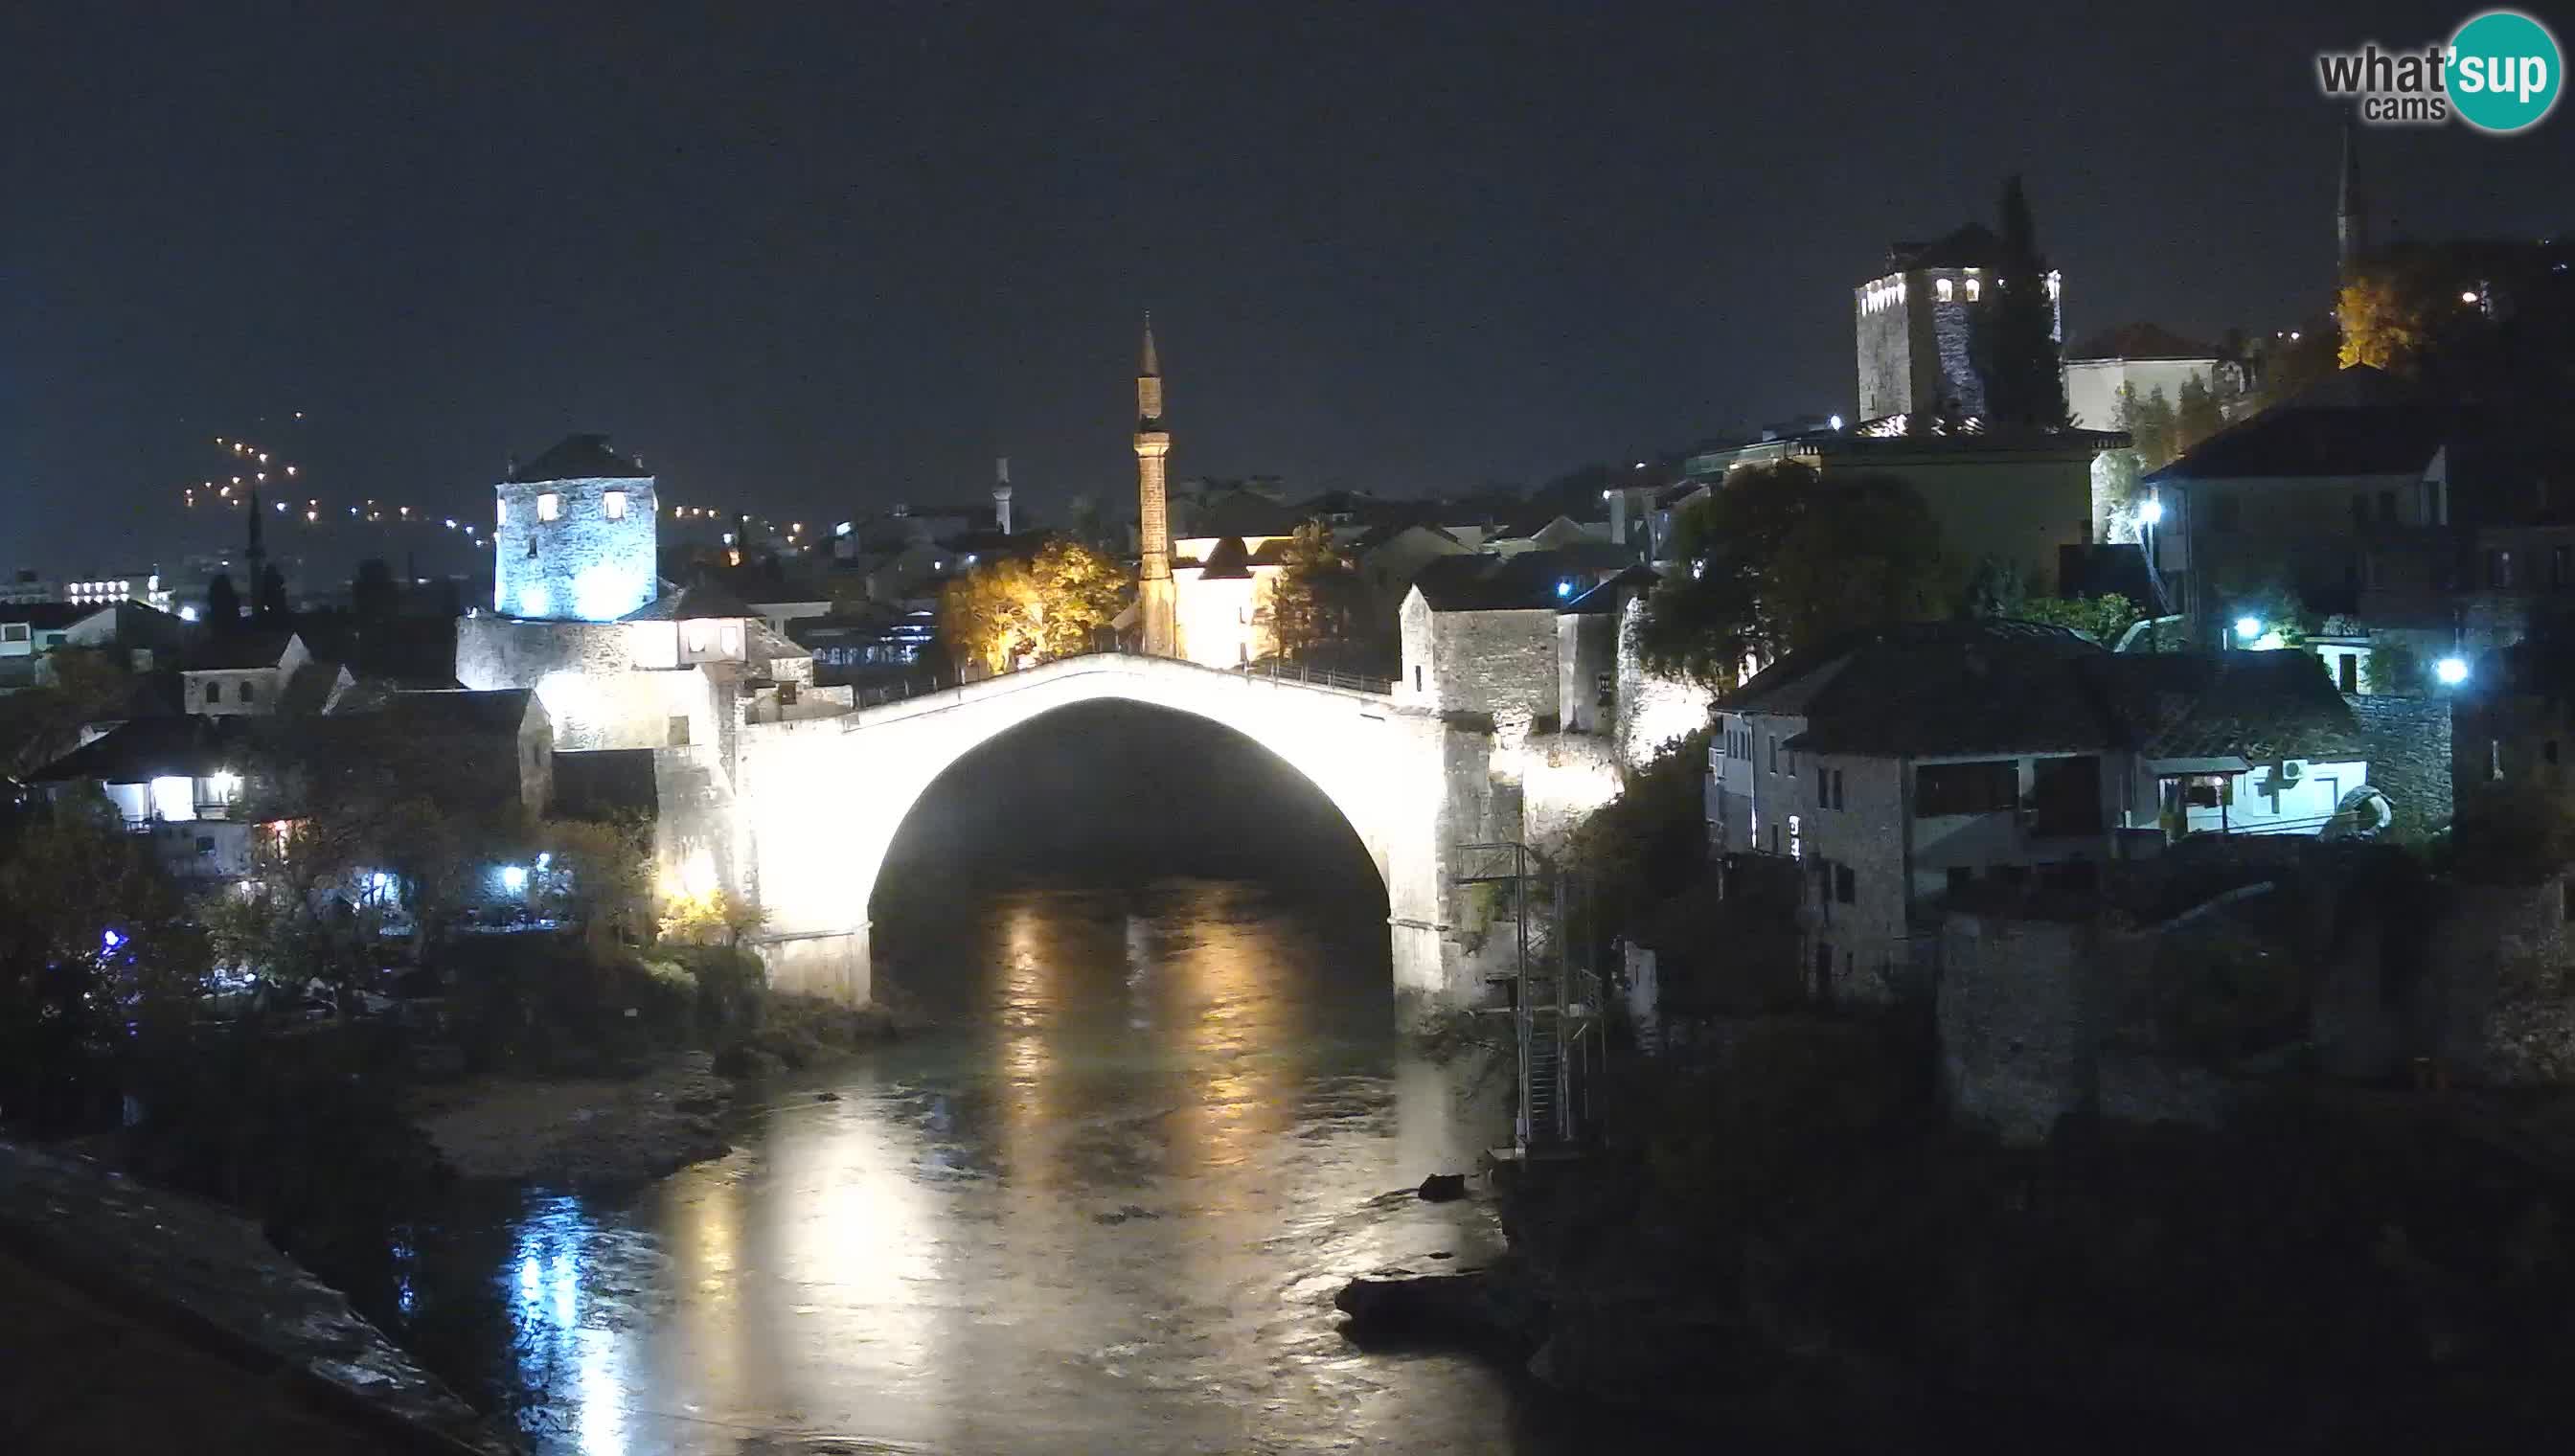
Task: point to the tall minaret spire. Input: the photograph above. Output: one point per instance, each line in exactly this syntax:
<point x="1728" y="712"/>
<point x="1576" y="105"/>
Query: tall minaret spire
<point x="1002" y="495"/>
<point x="1157" y="600"/>
<point x="2351" y="210"/>
<point x="255" y="555"/>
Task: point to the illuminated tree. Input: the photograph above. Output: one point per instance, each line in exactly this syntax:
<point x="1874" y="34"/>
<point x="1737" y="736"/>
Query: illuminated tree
<point x="2151" y="425"/>
<point x="1055" y="604"/>
<point x="2386" y="323"/>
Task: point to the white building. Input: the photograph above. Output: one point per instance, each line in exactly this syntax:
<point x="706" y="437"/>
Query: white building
<point x="1902" y="770"/>
<point x="2142" y="358"/>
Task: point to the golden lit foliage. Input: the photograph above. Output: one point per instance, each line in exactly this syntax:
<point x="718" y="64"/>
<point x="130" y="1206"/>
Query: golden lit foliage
<point x="2386" y="323"/>
<point x="1009" y="612"/>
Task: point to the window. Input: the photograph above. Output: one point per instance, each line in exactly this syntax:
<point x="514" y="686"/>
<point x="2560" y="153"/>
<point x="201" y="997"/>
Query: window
<point x="2065" y="797"/>
<point x="500" y="517"/>
<point x="696" y="633"/>
<point x="2347" y="672"/>
<point x="1845" y="883"/>
<point x="250" y="693"/>
<point x="2387" y="508"/>
<point x="1824" y="788"/>
<point x="1943" y="288"/>
<point x="214" y="692"/>
<point x="1605" y="688"/>
<point x="2225" y="513"/>
<point x="1838" y="789"/>
<point x="612" y="504"/>
<point x="2360" y="510"/>
<point x="2208" y="790"/>
<point x="679" y="731"/>
<point x="1797" y="839"/>
<point x="1960" y="879"/>
<point x="1417" y="679"/>
<point x="1975" y="286"/>
<point x="549" y="506"/>
<point x="1774" y="753"/>
<point x="2561" y="566"/>
<point x="13" y="630"/>
<point x="2499" y="568"/>
<point x="1966" y="789"/>
<point x="205" y="843"/>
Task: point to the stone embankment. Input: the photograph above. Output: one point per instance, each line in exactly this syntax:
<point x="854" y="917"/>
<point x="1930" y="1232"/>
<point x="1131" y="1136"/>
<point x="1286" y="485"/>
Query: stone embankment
<point x="580" y="1132"/>
<point x="146" y="1320"/>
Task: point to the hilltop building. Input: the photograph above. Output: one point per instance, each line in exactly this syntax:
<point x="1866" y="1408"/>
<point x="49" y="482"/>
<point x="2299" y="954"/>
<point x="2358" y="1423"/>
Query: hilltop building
<point x="1916" y="325"/>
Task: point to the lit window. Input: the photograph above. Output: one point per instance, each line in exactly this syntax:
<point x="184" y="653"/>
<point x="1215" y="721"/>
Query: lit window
<point x="612" y="504"/>
<point x="697" y="632"/>
<point x="1942" y="288"/>
<point x="1975" y="286"/>
<point x="549" y="506"/>
<point x="502" y="515"/>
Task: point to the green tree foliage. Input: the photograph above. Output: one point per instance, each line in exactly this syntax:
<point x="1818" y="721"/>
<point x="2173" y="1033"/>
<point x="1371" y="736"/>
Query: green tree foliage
<point x="2196" y="416"/>
<point x="223" y="604"/>
<point x="2104" y="617"/>
<point x="2392" y="667"/>
<point x="1777" y="558"/>
<point x="268" y="602"/>
<point x="1310" y="602"/>
<point x="600" y="877"/>
<point x="2387" y="321"/>
<point x="2153" y="427"/>
<point x="97" y="957"/>
<point x="2015" y="334"/>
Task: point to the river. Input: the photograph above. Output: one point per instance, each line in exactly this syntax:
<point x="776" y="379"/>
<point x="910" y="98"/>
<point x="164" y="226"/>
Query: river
<point x="1104" y="1207"/>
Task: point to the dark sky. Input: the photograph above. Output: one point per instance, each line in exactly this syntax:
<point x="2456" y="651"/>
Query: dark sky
<point x="819" y="258"/>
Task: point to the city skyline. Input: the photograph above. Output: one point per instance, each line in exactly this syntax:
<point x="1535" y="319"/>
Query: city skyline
<point x="846" y="261"/>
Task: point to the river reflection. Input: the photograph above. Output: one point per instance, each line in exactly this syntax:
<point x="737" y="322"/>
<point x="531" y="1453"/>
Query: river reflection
<point x="1104" y="1211"/>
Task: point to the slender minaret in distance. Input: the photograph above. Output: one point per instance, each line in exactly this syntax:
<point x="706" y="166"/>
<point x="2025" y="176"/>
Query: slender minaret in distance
<point x="1002" y="495"/>
<point x="1156" y="603"/>
<point x="2351" y="212"/>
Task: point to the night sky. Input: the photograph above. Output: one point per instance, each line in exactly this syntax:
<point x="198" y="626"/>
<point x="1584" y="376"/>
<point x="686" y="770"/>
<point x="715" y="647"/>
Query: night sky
<point x="818" y="258"/>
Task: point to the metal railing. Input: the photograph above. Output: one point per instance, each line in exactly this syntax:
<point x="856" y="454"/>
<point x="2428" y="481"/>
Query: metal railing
<point x="927" y="684"/>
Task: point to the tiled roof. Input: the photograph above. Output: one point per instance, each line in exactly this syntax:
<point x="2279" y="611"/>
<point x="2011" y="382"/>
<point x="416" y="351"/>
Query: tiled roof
<point x="2261" y="707"/>
<point x="238" y="652"/>
<point x="691" y="603"/>
<point x="605" y="783"/>
<point x="1608" y="596"/>
<point x="1483" y="583"/>
<point x="2360" y="422"/>
<point x="153" y="747"/>
<point x="457" y="709"/>
<point x="1242" y="513"/>
<point x="580" y="458"/>
<point x="2140" y="341"/>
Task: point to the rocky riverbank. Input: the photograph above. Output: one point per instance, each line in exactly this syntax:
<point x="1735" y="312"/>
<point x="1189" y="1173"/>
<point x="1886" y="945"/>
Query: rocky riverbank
<point x="1789" y="1243"/>
<point x="583" y="1131"/>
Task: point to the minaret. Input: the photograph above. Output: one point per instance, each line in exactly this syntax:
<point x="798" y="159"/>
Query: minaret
<point x="1157" y="602"/>
<point x="1002" y="495"/>
<point x="255" y="555"/>
<point x="2351" y="212"/>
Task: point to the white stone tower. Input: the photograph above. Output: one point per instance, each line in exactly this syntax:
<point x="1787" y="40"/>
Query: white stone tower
<point x="1157" y="600"/>
<point x="575" y="536"/>
<point x="1002" y="495"/>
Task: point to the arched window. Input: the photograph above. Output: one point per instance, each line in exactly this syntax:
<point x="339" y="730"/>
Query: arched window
<point x="1941" y="285"/>
<point x="1975" y="286"/>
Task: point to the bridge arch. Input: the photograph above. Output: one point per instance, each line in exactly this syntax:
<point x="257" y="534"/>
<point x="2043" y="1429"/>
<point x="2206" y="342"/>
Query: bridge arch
<point x="818" y="801"/>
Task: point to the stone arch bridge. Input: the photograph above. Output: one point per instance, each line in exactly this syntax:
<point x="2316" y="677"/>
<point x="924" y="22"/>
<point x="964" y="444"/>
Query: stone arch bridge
<point x="817" y="802"/>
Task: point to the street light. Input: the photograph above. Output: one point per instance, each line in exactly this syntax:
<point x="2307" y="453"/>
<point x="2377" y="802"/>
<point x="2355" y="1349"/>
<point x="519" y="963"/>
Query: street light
<point x="2451" y="671"/>
<point x="2151" y="512"/>
<point x="2248" y="628"/>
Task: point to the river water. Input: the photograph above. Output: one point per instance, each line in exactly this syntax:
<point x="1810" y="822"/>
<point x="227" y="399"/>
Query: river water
<point x="1104" y="1207"/>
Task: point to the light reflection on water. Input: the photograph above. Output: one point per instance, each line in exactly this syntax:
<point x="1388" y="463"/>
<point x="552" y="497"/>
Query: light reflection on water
<point x="1107" y="1212"/>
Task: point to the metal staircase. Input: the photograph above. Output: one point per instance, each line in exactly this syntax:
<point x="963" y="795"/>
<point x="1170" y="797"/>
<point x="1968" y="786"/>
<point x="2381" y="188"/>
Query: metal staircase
<point x="1554" y="1000"/>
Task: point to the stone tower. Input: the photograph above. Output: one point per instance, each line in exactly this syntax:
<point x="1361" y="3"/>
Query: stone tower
<point x="1157" y="600"/>
<point x="575" y="535"/>
<point x="1002" y="495"/>
<point x="2351" y="211"/>
<point x="1917" y="324"/>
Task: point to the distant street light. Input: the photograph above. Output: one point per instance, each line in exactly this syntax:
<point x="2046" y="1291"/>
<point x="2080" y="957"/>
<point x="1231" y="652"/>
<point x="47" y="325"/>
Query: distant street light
<point x="2248" y="628"/>
<point x="2451" y="671"/>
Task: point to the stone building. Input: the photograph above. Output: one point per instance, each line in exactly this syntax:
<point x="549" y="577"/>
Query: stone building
<point x="1916" y="321"/>
<point x="575" y="535"/>
<point x="2144" y="359"/>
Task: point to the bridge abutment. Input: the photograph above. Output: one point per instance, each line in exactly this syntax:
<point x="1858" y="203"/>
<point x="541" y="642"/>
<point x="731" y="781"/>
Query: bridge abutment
<point x="831" y="964"/>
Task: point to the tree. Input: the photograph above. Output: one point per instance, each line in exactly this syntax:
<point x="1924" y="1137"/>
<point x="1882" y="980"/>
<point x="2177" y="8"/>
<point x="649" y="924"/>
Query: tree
<point x="268" y="604"/>
<point x="1310" y="600"/>
<point x="600" y="873"/>
<point x="1054" y="605"/>
<point x="2015" y="334"/>
<point x="223" y="604"/>
<point x="2105" y="618"/>
<point x="1778" y="557"/>
<point x="41" y="724"/>
<point x="2386" y="324"/>
<point x="2392" y="668"/>
<point x="711" y="917"/>
<point x="96" y="954"/>
<point x="2151" y="424"/>
<point x="373" y="595"/>
<point x="2196" y="416"/>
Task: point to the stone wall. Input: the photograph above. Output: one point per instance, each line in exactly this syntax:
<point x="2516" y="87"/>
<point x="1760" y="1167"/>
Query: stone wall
<point x="581" y="565"/>
<point x="1653" y="710"/>
<point x="2020" y="1022"/>
<point x="2504" y="1007"/>
<point x="1501" y="664"/>
<point x="2408" y="740"/>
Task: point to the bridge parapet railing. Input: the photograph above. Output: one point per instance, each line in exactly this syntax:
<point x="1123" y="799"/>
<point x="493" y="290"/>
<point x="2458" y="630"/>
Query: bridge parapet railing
<point x="880" y="694"/>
